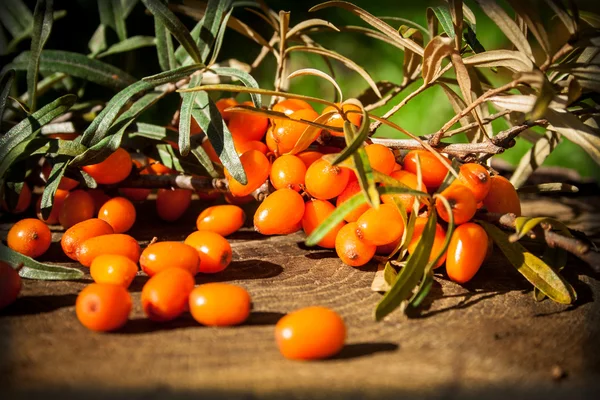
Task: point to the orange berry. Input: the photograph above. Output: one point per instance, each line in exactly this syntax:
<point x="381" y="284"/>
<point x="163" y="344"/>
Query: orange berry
<point x="462" y="201"/>
<point x="223" y="104"/>
<point x="381" y="225"/>
<point x="397" y="167"/>
<point x="162" y="255"/>
<point x="59" y="198"/>
<point x="171" y="204"/>
<point x="476" y="178"/>
<point x="222" y="219"/>
<point x="315" y="212"/>
<point x="231" y="199"/>
<point x="113" y="169"/>
<point x="308" y="157"/>
<point x="280" y="213"/>
<point x="30" y="237"/>
<point x="272" y="144"/>
<point x="22" y="203"/>
<point x="158" y="168"/>
<point x="310" y="333"/>
<point x="466" y="252"/>
<point x="99" y="197"/>
<point x="351" y="248"/>
<point x="351" y="189"/>
<point x="381" y="158"/>
<point x="10" y="284"/>
<point x="119" y="213"/>
<point x="289" y="106"/>
<point x="165" y="295"/>
<point x="103" y="307"/>
<point x="79" y="233"/>
<point x="113" y="269"/>
<point x="407" y="200"/>
<point x="387" y="249"/>
<point x="438" y="241"/>
<point x="288" y="171"/>
<point x="219" y="304"/>
<point x="432" y="169"/>
<point x="78" y="206"/>
<point x="137" y="194"/>
<point x="214" y="250"/>
<point x="244" y="126"/>
<point x="325" y="181"/>
<point x="257" y="168"/>
<point x="337" y="121"/>
<point x="243" y="147"/>
<point x="116" y="243"/>
<point x="286" y="133"/>
<point x="63" y="136"/>
<point x="210" y="151"/>
<point x="66" y="183"/>
<point x="502" y="197"/>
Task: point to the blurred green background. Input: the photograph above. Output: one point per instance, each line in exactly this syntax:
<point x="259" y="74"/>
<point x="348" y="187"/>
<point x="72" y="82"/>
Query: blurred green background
<point x="424" y="114"/>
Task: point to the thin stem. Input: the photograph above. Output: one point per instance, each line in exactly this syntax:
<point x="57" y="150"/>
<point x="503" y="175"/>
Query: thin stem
<point x="454" y="149"/>
<point x="563" y="51"/>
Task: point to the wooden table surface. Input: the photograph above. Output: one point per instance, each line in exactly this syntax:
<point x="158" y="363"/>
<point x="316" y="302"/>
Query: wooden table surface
<point x="486" y="339"/>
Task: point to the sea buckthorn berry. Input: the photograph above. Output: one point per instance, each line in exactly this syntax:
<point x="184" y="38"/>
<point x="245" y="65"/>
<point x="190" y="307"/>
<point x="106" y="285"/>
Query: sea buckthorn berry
<point x="171" y="204"/>
<point x="351" y="248"/>
<point x="280" y="213"/>
<point x="214" y="250"/>
<point x="288" y="171"/>
<point x="10" y="285"/>
<point x="502" y="197"/>
<point x="210" y="151"/>
<point x="407" y="200"/>
<point x="462" y="201"/>
<point x="245" y="126"/>
<point x="432" y="169"/>
<point x="99" y="197"/>
<point x="351" y="189"/>
<point x="222" y="219"/>
<point x="116" y="243"/>
<point x="325" y="181"/>
<point x="257" y="168"/>
<point x="337" y="121"/>
<point x="30" y="237"/>
<point x="158" y="168"/>
<point x="397" y="167"/>
<point x="113" y="269"/>
<point x="59" y="198"/>
<point x="119" y="213"/>
<point x="387" y="249"/>
<point x="103" y="307"/>
<point x="315" y="212"/>
<point x="77" y="234"/>
<point x="466" y="252"/>
<point x="310" y="333"/>
<point x="162" y="255"/>
<point x="381" y="225"/>
<point x="137" y="194"/>
<point x="78" y="206"/>
<point x="381" y="158"/>
<point x="63" y="136"/>
<point x="219" y="304"/>
<point x="223" y="104"/>
<point x="271" y="142"/>
<point x="113" y="169"/>
<point x="243" y="147"/>
<point x="66" y="183"/>
<point x="290" y="106"/>
<point x="438" y="241"/>
<point x="308" y="157"/>
<point x="476" y="178"/>
<point x="165" y="295"/>
<point x="286" y="132"/>
<point x="231" y="199"/>
<point x="22" y="203"/>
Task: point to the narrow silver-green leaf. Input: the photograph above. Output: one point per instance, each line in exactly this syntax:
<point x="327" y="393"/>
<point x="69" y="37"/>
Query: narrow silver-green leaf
<point x="443" y="15"/>
<point x="218" y="42"/>
<point x="243" y="77"/>
<point x="97" y="43"/>
<point x="15" y="16"/>
<point x="112" y="15"/>
<point x="164" y="46"/>
<point x="129" y="44"/>
<point x="172" y="75"/>
<point x="42" y="26"/>
<point x="6" y="81"/>
<point x="32" y="269"/>
<point x="524" y="225"/>
<point x="185" y="116"/>
<point x="56" y="174"/>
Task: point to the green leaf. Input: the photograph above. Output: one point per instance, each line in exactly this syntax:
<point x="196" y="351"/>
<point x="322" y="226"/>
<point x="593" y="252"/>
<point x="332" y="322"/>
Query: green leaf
<point x="173" y="75"/>
<point x="409" y="277"/>
<point x="78" y="66"/>
<point x="6" y="81"/>
<point x="185" y="116"/>
<point x="356" y="141"/>
<point x="128" y="6"/>
<point x="129" y="44"/>
<point x="456" y="163"/>
<point x="220" y="35"/>
<point x="243" y="77"/>
<point x="56" y="174"/>
<point x="423" y="291"/>
<point x="202" y="157"/>
<point x="155" y="132"/>
<point x="42" y="26"/>
<point x="15" y="16"/>
<point x="26" y="129"/>
<point x="211" y="23"/>
<point x="384" y="277"/>
<point x="532" y="268"/>
<point x="97" y="43"/>
<point x="524" y="225"/>
<point x="112" y="15"/>
<point x="175" y="26"/>
<point x="472" y="41"/>
<point x="209" y="119"/>
<point x="164" y="46"/>
<point x="36" y="270"/>
<point x="443" y="15"/>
